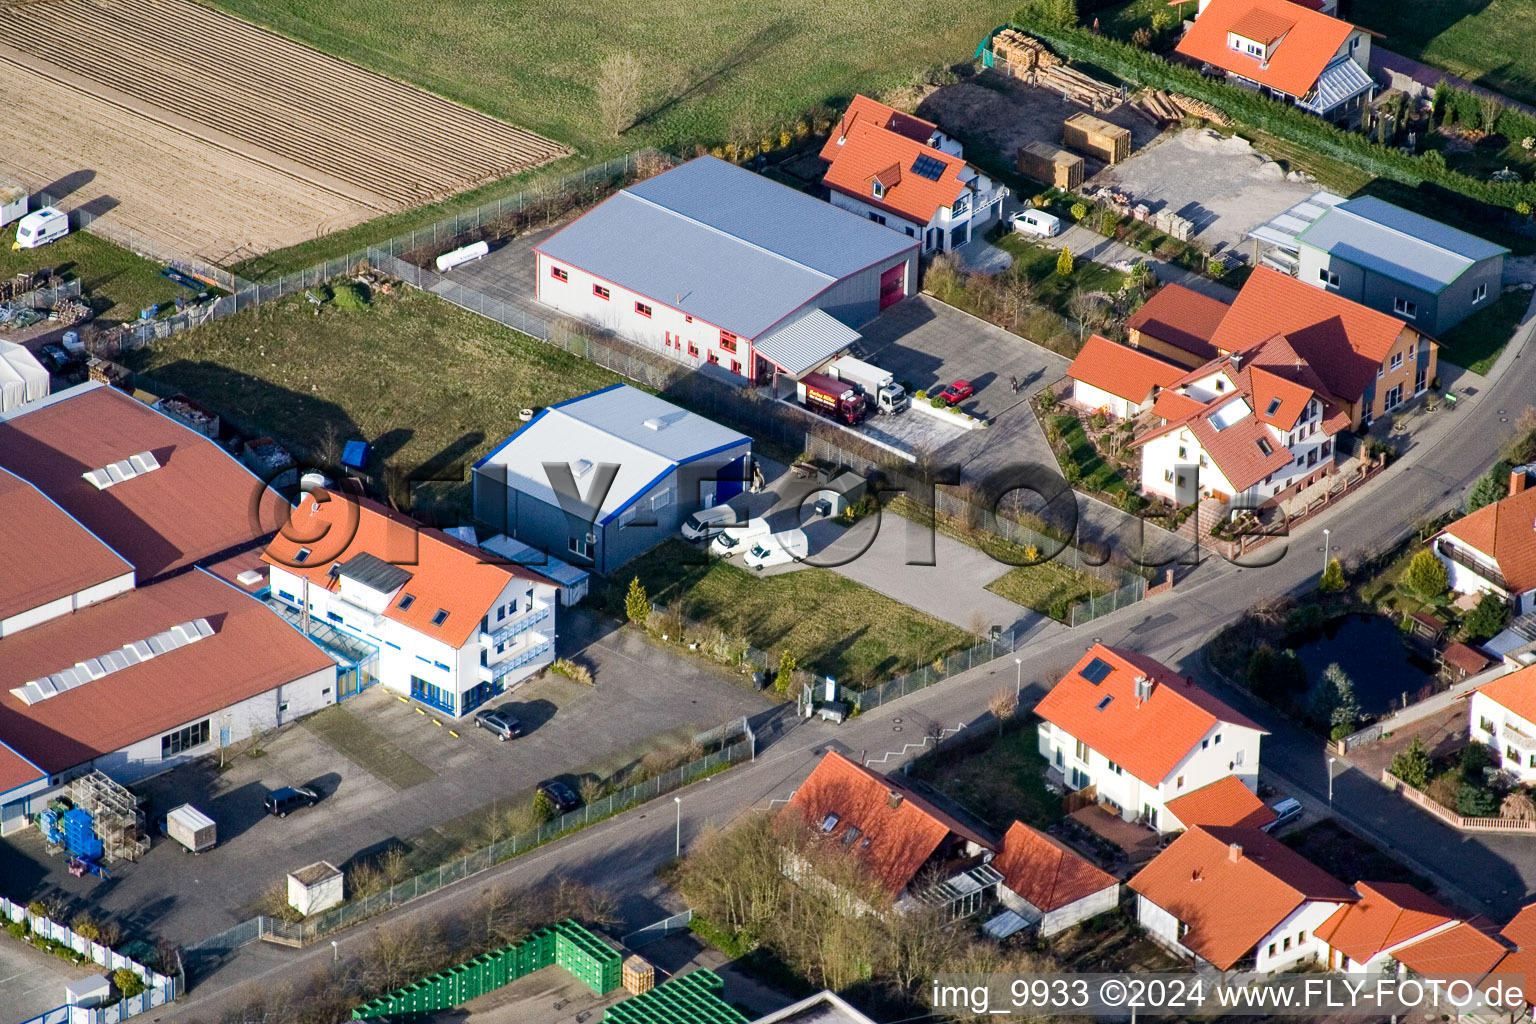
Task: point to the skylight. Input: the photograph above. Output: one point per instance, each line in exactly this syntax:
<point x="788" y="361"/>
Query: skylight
<point x="928" y="167"/>
<point x="1265" y="447"/>
<point x="406" y="602"/>
<point x="829" y="823"/>
<point x="301" y="556"/>
<point x="1096" y="671"/>
<point x="129" y="654"/>
<point x="117" y="472"/>
<point x="1104" y="703"/>
<point x="1274" y="407"/>
<point x="850" y="835"/>
<point x="441" y="617"/>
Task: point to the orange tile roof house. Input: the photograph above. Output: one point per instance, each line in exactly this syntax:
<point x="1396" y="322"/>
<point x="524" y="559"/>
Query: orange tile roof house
<point x="1224" y="802"/>
<point x="901" y="171"/>
<point x="1178" y="324"/>
<point x="1502" y="714"/>
<point x="1120" y="380"/>
<point x="451" y="625"/>
<point x="1237" y="898"/>
<point x="1288" y="51"/>
<point x="1048" y="884"/>
<point x="1493" y="550"/>
<point x="120" y="651"/>
<point x="1393" y="921"/>
<point x="1141" y="735"/>
<point x="906" y="842"/>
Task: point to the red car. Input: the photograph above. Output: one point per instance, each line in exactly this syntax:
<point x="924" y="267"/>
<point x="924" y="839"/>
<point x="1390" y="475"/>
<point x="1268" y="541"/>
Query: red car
<point x="957" y="392"/>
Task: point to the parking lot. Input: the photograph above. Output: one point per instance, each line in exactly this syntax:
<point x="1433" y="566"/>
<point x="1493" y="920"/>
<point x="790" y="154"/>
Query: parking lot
<point x="32" y="982"/>
<point x="388" y="775"/>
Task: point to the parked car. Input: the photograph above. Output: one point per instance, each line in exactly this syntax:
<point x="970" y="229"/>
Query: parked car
<point x="561" y="795"/>
<point x="57" y="358"/>
<point x="1035" y="222"/>
<point x="707" y="522"/>
<point x="776" y="549"/>
<point x="1286" y="811"/>
<point x="282" y="802"/>
<point x="736" y="539"/>
<point x="51" y="362"/>
<point x="957" y="392"/>
<point x="500" y="721"/>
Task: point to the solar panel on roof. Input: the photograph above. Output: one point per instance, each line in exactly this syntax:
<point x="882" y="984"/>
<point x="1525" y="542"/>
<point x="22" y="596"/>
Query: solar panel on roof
<point x="928" y="167"/>
<point x="1096" y="671"/>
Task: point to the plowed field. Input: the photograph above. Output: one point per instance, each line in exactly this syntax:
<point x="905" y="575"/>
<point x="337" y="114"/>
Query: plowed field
<point x="149" y="95"/>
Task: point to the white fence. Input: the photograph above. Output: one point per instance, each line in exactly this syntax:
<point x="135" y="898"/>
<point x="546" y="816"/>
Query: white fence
<point x="161" y="989"/>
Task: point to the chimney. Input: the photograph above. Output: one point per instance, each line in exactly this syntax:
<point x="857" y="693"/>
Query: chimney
<point x="1143" y="688"/>
<point x="893" y="799"/>
<point x="1235" y="852"/>
<point x="1517" y="480"/>
<point x="1237" y="360"/>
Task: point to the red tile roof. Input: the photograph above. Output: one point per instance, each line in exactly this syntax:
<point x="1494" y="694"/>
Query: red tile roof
<point x="1465" y="950"/>
<point x="446" y="574"/>
<point x="1171" y="406"/>
<point x="1225" y="802"/>
<point x="1517" y="970"/>
<point x="1387" y="915"/>
<point x="1304" y="41"/>
<point x="1343" y="341"/>
<point x="1125" y="372"/>
<point x="1506" y="531"/>
<point x="1521" y="929"/>
<point x="46" y="554"/>
<point x="1148" y="739"/>
<point x="1230" y="903"/>
<point x="1517" y="692"/>
<point x="200" y="503"/>
<point x="252" y="650"/>
<point x="1465" y="657"/>
<point x="864" y="110"/>
<point x="870" y="153"/>
<point x="16" y="771"/>
<point x="898" y="830"/>
<point x="1044" y="871"/>
<point x="1183" y="318"/>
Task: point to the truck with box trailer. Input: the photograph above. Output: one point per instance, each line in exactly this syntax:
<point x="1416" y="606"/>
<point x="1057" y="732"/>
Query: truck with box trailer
<point x="878" y="385"/>
<point x="829" y="396"/>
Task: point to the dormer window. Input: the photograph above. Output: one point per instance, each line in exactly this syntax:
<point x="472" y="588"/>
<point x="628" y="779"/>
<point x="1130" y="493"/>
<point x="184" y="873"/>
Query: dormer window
<point x="877" y="190"/>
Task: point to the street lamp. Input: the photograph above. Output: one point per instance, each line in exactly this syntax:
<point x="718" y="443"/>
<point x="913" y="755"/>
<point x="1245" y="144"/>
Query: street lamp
<point x="679" y="801"/>
<point x="1018" y="677"/>
<point x="1330" y="780"/>
<point x="1326" y="539"/>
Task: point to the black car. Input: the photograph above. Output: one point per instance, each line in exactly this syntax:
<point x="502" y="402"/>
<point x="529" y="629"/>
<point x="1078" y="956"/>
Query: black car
<point x="290" y="798"/>
<point x="53" y="358"/>
<point x="560" y="795"/>
<point x="499" y="721"/>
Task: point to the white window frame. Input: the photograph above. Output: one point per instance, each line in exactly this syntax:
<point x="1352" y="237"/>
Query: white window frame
<point x="1479" y="293"/>
<point x="1405" y="307"/>
<point x="1328" y="277"/>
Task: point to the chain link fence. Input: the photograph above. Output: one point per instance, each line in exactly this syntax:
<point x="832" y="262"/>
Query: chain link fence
<point x="360" y="909"/>
<point x="961" y="661"/>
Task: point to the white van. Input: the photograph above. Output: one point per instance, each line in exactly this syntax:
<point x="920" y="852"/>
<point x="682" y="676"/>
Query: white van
<point x="1036" y="222"/>
<point x="708" y="522"/>
<point x="776" y="549"/>
<point x="41" y="227"/>
<point x="733" y="540"/>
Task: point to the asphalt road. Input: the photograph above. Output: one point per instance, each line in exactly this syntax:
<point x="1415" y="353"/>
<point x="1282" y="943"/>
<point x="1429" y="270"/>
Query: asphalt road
<point x="1488" y="873"/>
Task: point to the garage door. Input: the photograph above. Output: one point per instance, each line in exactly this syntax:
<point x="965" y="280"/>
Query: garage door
<point x="13" y="816"/>
<point x="729" y="481"/>
<point x="892" y="285"/>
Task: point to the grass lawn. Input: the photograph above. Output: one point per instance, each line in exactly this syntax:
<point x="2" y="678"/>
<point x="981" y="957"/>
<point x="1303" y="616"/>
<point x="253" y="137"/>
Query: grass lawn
<point x="1488" y="43"/>
<point x="832" y="625"/>
<point x="712" y="73"/>
<point x="1039" y="262"/>
<point x="429" y="384"/>
<point x="1094" y="473"/>
<point x="1047" y="588"/>
<point x="1476" y="342"/>
<point x="1003" y="781"/>
<point x="117" y="282"/>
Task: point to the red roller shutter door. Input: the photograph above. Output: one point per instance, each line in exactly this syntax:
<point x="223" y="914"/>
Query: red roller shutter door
<point x="892" y="285"/>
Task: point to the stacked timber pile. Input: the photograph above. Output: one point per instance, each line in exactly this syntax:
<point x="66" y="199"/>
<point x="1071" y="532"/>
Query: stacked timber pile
<point x="70" y="311"/>
<point x="1079" y="88"/>
<point x="1024" y="54"/>
<point x="1156" y="106"/>
<point x="1199" y="108"/>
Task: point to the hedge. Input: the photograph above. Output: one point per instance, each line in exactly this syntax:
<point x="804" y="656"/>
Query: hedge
<point x="1284" y="122"/>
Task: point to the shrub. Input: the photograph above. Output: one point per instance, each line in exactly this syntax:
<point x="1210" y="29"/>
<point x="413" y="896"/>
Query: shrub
<point x="18" y="929"/>
<point x="1048" y="399"/>
<point x="350" y="296"/>
<point x="1412" y="764"/>
<point x="1475" y="759"/>
<point x="1426" y="576"/>
<point x="1333" y="579"/>
<point x="937" y="402"/>
<point x="1079" y="211"/>
<point x="1476" y="801"/>
<point x="1492" y="486"/>
<point x="637" y="605"/>
<point x="1304" y="619"/>
<point x="1072" y="471"/>
<point x="544" y="808"/>
<point x="1064" y="262"/>
<point x="128" y="983"/>
<point x="1487" y="617"/>
<point x="786" y="672"/>
<point x="571" y="670"/>
<point x="1098" y="419"/>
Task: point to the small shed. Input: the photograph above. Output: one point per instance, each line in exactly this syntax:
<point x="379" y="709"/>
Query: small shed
<point x="1460" y="661"/>
<point x="88" y="992"/>
<point x="1045" y="162"/>
<point x="13" y="203"/>
<point x="315" y="888"/>
<point x="1097" y="137"/>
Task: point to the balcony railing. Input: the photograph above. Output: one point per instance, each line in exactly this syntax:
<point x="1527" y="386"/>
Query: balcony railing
<point x="1478" y="566"/>
<point x="529" y="654"/>
<point x="540" y="612"/>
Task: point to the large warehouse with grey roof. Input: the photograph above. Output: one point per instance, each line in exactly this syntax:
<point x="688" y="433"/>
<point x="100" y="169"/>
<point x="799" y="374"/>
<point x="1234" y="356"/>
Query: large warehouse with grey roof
<point x="718" y="267"/>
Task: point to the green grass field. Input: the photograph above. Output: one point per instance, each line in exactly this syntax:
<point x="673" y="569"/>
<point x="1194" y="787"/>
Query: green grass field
<point x="1003" y="781"/>
<point x="1046" y="588"/>
<point x="1484" y="42"/>
<point x="713" y="72"/>
<point x="1476" y="342"/>
<point x="429" y="384"/>
<point x="833" y="625"/>
<point x="118" y="283"/>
